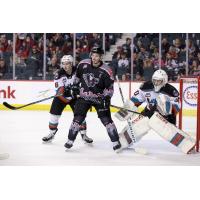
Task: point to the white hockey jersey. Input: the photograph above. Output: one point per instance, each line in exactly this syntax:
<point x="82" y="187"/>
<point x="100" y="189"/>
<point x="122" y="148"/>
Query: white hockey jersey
<point x="147" y="94"/>
<point x="63" y="84"/>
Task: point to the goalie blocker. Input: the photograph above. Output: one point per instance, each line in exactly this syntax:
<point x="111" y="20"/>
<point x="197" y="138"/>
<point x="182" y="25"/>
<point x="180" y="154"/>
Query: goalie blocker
<point x="141" y="125"/>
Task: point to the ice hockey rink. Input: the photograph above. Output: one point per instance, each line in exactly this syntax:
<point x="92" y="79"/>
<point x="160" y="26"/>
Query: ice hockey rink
<point x="21" y="133"/>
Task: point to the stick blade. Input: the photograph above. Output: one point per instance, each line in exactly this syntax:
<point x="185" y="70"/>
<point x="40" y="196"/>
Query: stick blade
<point x="7" y="105"/>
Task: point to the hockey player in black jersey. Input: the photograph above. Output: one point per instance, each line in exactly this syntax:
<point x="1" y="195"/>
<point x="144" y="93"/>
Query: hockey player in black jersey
<point x="64" y="85"/>
<point x="96" y="90"/>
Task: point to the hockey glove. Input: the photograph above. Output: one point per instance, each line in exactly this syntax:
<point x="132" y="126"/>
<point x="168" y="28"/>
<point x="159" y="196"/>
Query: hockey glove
<point x="75" y="92"/>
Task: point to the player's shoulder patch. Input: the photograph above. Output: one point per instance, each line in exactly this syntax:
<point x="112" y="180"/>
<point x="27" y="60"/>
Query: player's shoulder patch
<point x="85" y="61"/>
<point x="59" y="73"/>
<point x="170" y="90"/>
<point x="147" y="86"/>
<point x="107" y="69"/>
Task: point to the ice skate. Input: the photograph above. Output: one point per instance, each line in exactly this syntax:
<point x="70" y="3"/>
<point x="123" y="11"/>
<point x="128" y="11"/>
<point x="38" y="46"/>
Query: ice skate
<point x="117" y="146"/>
<point x="49" y="137"/>
<point x="69" y="144"/>
<point x="85" y="137"/>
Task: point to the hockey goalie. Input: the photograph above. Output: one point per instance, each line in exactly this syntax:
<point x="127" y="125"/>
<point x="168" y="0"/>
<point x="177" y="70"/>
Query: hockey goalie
<point x="159" y="115"/>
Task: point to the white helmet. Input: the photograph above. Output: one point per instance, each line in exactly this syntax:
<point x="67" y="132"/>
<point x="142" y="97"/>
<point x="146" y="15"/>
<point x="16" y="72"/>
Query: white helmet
<point x="66" y="58"/>
<point x="159" y="75"/>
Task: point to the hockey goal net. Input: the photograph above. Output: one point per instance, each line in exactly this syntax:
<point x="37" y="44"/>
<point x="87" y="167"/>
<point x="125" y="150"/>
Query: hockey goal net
<point x="189" y="115"/>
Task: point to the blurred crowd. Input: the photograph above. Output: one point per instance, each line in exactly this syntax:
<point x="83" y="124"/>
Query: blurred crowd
<point x="145" y="56"/>
<point x="30" y="60"/>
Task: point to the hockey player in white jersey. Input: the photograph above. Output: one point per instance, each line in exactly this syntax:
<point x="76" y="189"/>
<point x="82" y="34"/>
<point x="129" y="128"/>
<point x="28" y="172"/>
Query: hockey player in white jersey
<point x="68" y="90"/>
<point x="162" y="106"/>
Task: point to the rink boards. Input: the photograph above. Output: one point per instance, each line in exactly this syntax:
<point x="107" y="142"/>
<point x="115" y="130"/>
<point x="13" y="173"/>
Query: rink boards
<point x="23" y="92"/>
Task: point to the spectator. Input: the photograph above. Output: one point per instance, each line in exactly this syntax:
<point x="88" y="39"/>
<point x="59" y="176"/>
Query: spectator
<point x="53" y="66"/>
<point x="117" y="54"/>
<point x="124" y="78"/>
<point x="67" y="48"/>
<point x="138" y="77"/>
<point x="178" y="46"/>
<point x="35" y="61"/>
<point x="143" y="54"/>
<point x="95" y="40"/>
<point x="165" y="46"/>
<point x="194" y="69"/>
<point x="137" y="64"/>
<point x="148" y="69"/>
<point x="2" y="68"/>
<point x="127" y="47"/>
<point x="123" y="65"/>
<point x="3" y="43"/>
<point x="57" y="40"/>
<point x="192" y="48"/>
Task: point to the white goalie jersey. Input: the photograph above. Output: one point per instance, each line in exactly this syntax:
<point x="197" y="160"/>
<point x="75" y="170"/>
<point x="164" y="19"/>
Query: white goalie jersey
<point x="166" y="100"/>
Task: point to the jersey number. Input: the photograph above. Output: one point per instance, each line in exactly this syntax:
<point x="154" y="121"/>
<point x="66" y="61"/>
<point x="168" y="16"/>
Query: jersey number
<point x="136" y="92"/>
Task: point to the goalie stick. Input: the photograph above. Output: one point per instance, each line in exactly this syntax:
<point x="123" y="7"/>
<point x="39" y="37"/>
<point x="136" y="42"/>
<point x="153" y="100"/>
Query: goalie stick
<point x="128" y="121"/>
<point x="139" y="150"/>
<point x="7" y="105"/>
<point x="118" y="107"/>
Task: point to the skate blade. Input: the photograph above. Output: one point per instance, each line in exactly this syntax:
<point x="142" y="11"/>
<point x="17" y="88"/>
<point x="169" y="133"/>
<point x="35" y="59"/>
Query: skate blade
<point x="47" y="142"/>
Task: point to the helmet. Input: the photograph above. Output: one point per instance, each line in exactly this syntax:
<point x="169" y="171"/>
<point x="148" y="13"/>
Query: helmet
<point x="159" y="75"/>
<point x="97" y="49"/>
<point x="66" y="58"/>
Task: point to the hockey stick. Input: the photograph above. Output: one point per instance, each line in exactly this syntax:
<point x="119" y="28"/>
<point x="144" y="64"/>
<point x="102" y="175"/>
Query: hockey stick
<point x="128" y="121"/>
<point x="7" y="105"/>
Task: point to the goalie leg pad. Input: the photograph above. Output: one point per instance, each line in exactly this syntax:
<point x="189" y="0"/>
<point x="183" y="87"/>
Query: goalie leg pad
<point x="140" y="128"/>
<point x="171" y="133"/>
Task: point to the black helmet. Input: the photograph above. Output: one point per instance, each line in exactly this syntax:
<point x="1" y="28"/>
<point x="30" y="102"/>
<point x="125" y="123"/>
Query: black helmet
<point x="97" y="49"/>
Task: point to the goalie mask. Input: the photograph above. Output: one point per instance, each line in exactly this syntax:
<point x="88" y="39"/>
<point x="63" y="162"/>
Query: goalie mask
<point x="159" y="79"/>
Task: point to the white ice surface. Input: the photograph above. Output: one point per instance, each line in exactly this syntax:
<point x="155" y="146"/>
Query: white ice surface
<point x="21" y="133"/>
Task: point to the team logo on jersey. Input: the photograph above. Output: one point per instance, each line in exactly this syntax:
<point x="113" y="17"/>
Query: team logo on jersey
<point x="64" y="80"/>
<point x="90" y="80"/>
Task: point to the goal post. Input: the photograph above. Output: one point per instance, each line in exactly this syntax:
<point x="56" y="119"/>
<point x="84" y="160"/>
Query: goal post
<point x="190" y="106"/>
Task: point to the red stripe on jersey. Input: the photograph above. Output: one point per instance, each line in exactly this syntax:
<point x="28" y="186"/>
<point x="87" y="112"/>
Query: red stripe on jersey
<point x="52" y="126"/>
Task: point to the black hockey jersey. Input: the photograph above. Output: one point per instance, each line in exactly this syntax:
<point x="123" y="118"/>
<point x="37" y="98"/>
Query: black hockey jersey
<point x="94" y="81"/>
